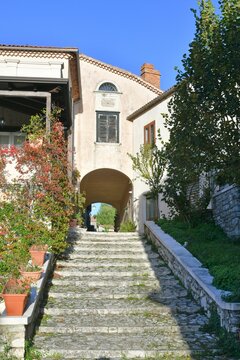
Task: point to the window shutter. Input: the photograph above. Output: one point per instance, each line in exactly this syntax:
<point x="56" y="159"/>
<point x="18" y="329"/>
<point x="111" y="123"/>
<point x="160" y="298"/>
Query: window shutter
<point x="102" y="128"/>
<point x="112" y="129"/>
<point x="107" y="127"/>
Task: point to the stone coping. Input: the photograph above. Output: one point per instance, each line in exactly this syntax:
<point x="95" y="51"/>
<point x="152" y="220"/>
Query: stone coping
<point x="35" y="294"/>
<point x="193" y="266"/>
<point x="79" y="230"/>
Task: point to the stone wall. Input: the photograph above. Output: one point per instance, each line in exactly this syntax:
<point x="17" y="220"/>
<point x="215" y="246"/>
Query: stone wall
<point x="195" y="278"/>
<point x="226" y="210"/>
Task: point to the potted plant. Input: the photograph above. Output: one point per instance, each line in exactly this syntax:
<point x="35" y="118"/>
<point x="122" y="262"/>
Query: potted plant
<point x="31" y="272"/>
<point x="15" y="294"/>
<point x="37" y="252"/>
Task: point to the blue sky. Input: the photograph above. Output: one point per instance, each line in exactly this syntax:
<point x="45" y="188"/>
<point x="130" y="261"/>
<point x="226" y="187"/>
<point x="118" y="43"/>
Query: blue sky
<point x="124" y="33"/>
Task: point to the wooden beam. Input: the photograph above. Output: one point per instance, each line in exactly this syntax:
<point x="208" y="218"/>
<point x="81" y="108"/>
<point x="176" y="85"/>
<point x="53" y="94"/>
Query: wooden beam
<point x="20" y="105"/>
<point x="24" y="93"/>
<point x="48" y="112"/>
<point x="42" y="94"/>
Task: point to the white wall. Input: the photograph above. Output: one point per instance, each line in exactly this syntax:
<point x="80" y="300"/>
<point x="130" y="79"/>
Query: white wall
<point x="131" y="95"/>
<point x="140" y="188"/>
<point x="33" y="67"/>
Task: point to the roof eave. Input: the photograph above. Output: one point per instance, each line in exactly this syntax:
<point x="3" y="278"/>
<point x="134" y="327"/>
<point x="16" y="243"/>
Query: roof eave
<point x="157" y="100"/>
<point x="38" y="48"/>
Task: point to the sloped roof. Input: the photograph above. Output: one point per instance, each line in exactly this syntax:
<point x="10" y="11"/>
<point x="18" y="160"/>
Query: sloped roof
<point x="36" y="51"/>
<point x="120" y="72"/>
<point x="157" y="100"/>
<point x="47" y="52"/>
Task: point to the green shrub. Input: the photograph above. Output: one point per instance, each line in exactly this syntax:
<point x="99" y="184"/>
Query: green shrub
<point x="127" y="226"/>
<point x="227" y="342"/>
<point x="208" y="243"/>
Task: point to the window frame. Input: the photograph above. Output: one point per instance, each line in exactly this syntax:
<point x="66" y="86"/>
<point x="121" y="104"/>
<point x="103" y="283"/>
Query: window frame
<point x="11" y="135"/>
<point x="108" y="83"/>
<point x="108" y="113"/>
<point x="149" y="137"/>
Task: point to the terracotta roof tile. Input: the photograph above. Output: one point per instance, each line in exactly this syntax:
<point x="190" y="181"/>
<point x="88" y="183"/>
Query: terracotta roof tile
<point x="157" y="100"/>
<point x="120" y="72"/>
<point x="37" y="51"/>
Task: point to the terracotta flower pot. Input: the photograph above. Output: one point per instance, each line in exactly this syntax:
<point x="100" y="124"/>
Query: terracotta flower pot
<point x="38" y="254"/>
<point x="32" y="276"/>
<point x="15" y="303"/>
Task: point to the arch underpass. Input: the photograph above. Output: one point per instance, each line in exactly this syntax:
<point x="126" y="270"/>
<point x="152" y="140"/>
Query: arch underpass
<point x="111" y="187"/>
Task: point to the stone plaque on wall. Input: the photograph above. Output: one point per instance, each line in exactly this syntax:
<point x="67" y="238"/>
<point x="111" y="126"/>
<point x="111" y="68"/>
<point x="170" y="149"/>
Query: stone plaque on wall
<point x="107" y="101"/>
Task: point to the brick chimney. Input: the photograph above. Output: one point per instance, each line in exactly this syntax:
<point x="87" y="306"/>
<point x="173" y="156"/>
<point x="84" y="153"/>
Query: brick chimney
<point x="149" y="74"/>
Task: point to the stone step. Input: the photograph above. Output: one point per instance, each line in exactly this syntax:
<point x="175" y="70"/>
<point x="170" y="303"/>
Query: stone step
<point x="124" y="355"/>
<point x="113" y="298"/>
<point x="105" y="273"/>
<point x="131" y="318"/>
<point x="105" y="236"/>
<point x="96" y="262"/>
<point x="148" y="304"/>
<point x="106" y="312"/>
<point x="120" y="342"/>
<point x="61" y="264"/>
<point x="115" y="235"/>
<point x="107" y="282"/>
<point x="102" y="294"/>
<point x="109" y="249"/>
<point x="132" y="243"/>
<point x="113" y="329"/>
<point x="167" y="284"/>
<point x="113" y="256"/>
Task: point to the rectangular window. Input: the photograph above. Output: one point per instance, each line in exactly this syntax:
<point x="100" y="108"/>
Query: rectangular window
<point x="151" y="208"/>
<point x="7" y="139"/>
<point x="107" y="127"/>
<point x="149" y="133"/>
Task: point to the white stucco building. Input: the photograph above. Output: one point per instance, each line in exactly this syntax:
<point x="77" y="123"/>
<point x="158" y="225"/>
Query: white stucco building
<point x="107" y="113"/>
<point x="147" y="121"/>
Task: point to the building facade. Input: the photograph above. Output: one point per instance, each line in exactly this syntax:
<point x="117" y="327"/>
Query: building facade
<point x="102" y="114"/>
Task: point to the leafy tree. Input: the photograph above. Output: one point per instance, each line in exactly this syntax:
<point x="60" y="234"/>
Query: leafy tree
<point x="204" y="116"/>
<point x="150" y="163"/>
<point x="106" y="215"/>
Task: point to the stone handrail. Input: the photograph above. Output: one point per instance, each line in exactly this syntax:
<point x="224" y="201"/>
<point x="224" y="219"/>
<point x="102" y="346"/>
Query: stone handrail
<point x="194" y="276"/>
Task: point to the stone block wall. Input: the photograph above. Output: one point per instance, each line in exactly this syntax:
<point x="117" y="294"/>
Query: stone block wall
<point x="14" y="330"/>
<point x="226" y="210"/>
<point x="194" y="277"/>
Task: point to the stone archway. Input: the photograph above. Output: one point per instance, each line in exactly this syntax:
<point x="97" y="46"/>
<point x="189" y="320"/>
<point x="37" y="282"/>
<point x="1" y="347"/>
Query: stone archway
<point x="109" y="186"/>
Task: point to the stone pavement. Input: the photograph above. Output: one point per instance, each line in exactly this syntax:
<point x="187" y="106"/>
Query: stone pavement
<point x="112" y="297"/>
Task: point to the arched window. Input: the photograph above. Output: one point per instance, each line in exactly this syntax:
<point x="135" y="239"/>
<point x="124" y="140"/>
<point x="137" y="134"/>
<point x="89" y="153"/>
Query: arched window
<point x="107" y="86"/>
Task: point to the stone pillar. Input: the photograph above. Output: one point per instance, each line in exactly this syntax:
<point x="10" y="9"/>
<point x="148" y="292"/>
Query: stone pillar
<point x="226" y="210"/>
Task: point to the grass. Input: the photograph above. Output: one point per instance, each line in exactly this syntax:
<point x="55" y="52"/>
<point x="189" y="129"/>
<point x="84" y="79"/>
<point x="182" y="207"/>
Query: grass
<point x="31" y="353"/>
<point x="227" y="342"/>
<point x="45" y="319"/>
<point x="214" y="249"/>
<point x="5" y="354"/>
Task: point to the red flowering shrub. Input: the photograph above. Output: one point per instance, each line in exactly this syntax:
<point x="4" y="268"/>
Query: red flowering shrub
<point x="37" y="204"/>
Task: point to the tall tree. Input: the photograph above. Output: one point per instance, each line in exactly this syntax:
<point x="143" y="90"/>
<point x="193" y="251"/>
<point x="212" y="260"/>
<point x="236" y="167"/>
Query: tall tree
<point x="204" y="111"/>
<point x="149" y="163"/>
<point x="106" y="215"/>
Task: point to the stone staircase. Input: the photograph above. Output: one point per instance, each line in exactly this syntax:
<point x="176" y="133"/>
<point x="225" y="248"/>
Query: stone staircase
<point x="112" y="297"/>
